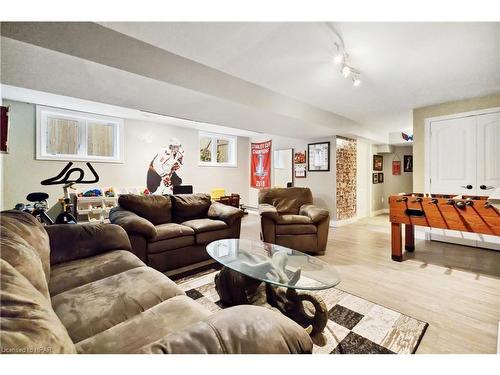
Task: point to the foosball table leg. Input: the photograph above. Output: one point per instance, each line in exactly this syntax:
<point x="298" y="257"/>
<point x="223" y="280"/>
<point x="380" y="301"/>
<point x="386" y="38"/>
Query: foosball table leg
<point x="396" y="242"/>
<point x="409" y="237"/>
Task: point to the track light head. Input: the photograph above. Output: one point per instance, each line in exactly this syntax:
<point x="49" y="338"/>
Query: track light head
<point x="346" y="71"/>
<point x="338" y="59"/>
<point x="356" y="81"/>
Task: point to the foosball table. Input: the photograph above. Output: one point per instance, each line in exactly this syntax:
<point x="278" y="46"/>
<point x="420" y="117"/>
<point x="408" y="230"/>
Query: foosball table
<point x="466" y="213"/>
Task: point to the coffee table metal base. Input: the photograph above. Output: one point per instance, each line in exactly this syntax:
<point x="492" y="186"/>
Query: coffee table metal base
<point x="303" y="307"/>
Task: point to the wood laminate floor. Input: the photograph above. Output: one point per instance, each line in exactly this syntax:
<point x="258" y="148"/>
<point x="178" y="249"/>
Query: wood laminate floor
<point x="456" y="289"/>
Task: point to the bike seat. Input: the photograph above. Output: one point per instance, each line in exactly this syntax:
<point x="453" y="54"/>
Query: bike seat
<point x="37" y="197"/>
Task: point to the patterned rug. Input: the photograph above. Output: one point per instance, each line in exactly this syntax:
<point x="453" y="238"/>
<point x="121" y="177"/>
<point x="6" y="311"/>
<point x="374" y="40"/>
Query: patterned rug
<point x="355" y="325"/>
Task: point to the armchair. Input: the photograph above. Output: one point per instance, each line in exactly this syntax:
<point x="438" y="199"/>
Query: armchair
<point x="289" y="218"/>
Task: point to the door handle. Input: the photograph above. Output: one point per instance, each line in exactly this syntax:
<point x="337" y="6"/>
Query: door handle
<point x="484" y="187"/>
<point x="468" y="187"/>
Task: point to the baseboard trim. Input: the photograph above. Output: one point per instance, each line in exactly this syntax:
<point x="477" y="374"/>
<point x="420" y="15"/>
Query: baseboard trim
<point x="341" y="223"/>
<point x="498" y="339"/>
<point x="383" y="211"/>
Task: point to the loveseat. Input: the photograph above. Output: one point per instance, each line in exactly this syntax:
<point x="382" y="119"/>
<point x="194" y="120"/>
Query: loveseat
<point x="79" y="289"/>
<point x="289" y="218"/>
<point x="170" y="232"/>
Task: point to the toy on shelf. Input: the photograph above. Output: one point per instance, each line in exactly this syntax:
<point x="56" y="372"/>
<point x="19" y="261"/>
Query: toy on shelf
<point x="91" y="193"/>
<point x="110" y="193"/>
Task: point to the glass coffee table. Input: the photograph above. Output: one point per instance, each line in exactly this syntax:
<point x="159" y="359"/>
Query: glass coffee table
<point x="273" y="276"/>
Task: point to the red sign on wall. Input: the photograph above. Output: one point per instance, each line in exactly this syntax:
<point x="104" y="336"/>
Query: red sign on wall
<point x="396" y="167"/>
<point x="260" y="166"/>
<point x="4" y="128"/>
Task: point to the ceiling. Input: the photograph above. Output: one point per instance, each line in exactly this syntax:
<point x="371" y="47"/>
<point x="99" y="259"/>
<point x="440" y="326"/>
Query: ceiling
<point x="403" y="65"/>
<point x="275" y="78"/>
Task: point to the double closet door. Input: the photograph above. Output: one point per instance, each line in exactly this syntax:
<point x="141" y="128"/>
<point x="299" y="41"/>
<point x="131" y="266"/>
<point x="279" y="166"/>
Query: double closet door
<point x="464" y="158"/>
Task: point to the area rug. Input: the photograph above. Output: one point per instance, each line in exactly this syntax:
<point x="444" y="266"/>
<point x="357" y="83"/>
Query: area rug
<point x="355" y="325"/>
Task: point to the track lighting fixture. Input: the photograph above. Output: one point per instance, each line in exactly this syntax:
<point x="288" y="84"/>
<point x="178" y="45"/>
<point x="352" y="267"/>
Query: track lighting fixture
<point x="346" y="71"/>
<point x="338" y="59"/>
<point x="341" y="57"/>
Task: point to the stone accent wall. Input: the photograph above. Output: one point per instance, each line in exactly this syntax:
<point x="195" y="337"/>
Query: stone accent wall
<point x="346" y="169"/>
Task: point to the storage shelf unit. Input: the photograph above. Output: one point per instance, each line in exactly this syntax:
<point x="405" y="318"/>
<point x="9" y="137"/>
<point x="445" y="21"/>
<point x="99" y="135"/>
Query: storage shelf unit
<point x="97" y="208"/>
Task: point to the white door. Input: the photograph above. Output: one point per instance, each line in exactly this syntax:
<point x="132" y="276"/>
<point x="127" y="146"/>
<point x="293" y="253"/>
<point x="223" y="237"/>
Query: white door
<point x="488" y="152"/>
<point x="465" y="159"/>
<point x="488" y="165"/>
<point x="453" y="156"/>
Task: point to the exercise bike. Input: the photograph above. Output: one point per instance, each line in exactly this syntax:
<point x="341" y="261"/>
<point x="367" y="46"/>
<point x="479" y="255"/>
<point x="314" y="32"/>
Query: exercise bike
<point x="62" y="210"/>
<point x="38" y="207"/>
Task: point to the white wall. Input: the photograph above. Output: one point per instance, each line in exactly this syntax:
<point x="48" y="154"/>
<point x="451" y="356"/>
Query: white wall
<point x="402" y="183"/>
<point x="142" y="141"/>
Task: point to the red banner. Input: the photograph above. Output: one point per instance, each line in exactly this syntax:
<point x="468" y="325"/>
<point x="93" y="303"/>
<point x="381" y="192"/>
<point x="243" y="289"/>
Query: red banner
<point x="396" y="167"/>
<point x="260" y="169"/>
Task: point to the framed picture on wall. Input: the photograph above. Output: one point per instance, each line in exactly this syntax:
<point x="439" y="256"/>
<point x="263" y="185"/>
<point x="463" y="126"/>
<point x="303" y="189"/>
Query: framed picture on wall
<point x="396" y="167"/>
<point x="319" y="157"/>
<point x="299" y="164"/>
<point x="378" y="162"/>
<point x="408" y="163"/>
<point x="375" y="178"/>
<point x="300" y="170"/>
<point x="380" y="178"/>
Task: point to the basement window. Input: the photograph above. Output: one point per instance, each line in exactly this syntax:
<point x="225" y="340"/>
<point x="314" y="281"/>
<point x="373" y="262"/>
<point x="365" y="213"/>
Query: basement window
<point x="217" y="150"/>
<point x="78" y="136"/>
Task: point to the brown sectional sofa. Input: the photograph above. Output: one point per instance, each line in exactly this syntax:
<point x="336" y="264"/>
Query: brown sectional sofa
<point x="170" y="232"/>
<point x="80" y="289"/>
<point x="289" y="218"/>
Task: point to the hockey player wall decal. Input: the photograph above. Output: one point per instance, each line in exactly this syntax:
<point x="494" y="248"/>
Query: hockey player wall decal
<point x="163" y="169"/>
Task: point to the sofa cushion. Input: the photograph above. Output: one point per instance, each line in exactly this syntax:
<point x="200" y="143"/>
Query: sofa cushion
<point x="170" y="244"/>
<point x="286" y="200"/>
<point x="190" y="206"/>
<point x="69" y="275"/>
<point x="32" y="231"/>
<point x="171" y="230"/>
<point x="177" y="258"/>
<point x="205" y="225"/>
<point x="29" y="324"/>
<point x="95" y="307"/>
<point x="214" y="235"/>
<point x="296" y="229"/>
<point x="146" y="327"/>
<point x="24" y="258"/>
<point x="293" y="219"/>
<point x="155" y="208"/>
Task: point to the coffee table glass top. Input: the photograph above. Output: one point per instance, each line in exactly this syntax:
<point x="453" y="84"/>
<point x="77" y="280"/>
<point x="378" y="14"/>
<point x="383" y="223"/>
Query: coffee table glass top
<point x="274" y="264"/>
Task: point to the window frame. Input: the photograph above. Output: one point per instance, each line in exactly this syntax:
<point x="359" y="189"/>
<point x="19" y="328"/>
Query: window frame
<point x="83" y="118"/>
<point x="233" y="149"/>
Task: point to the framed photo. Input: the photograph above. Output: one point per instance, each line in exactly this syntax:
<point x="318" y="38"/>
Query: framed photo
<point x="300" y="171"/>
<point x="378" y="162"/>
<point x="380" y="178"/>
<point x="408" y="163"/>
<point x="396" y="167"/>
<point x="375" y="178"/>
<point x="299" y="164"/>
<point x="319" y="157"/>
<point x="299" y="157"/>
